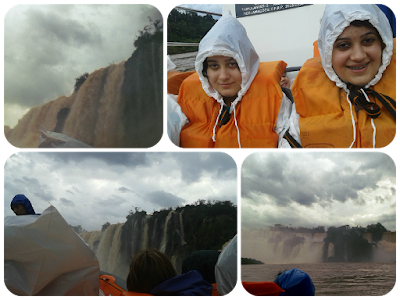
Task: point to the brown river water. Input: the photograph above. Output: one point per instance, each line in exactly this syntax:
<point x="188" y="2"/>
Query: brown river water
<point x="334" y="279"/>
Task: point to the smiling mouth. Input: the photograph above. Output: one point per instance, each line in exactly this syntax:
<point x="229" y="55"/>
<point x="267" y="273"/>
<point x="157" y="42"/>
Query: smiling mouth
<point x="358" y="68"/>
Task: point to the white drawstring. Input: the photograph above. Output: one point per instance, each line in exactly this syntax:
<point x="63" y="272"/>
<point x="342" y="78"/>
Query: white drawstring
<point x="237" y="128"/>
<point x="216" y="122"/>
<point x="372" y="122"/>
<point x="352" y="121"/>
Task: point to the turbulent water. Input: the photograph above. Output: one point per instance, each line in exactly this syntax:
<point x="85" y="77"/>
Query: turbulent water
<point x="184" y="62"/>
<point x="334" y="279"/>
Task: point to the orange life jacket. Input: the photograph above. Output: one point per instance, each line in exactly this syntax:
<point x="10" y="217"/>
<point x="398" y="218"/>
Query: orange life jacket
<point x="214" y="290"/>
<point x="325" y="117"/>
<point x="264" y="288"/>
<point x="256" y="113"/>
<point x="109" y="287"/>
<point x="174" y="81"/>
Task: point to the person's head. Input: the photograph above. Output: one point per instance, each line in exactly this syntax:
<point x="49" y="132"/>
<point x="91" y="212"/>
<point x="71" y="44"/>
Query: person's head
<point x="285" y="81"/>
<point x="357" y="53"/>
<point x="223" y="74"/>
<point x="226" y="61"/>
<point x="21" y="205"/>
<point x="148" y="269"/>
<point x="355" y="43"/>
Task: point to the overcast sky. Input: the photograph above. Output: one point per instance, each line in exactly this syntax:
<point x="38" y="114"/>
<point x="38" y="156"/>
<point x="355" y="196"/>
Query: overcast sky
<point x="318" y="189"/>
<point x="213" y="8"/>
<point x="90" y="189"/>
<point x="47" y="46"/>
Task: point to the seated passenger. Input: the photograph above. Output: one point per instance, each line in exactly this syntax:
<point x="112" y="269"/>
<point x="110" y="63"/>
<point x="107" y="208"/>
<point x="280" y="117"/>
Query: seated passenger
<point x="285" y="80"/>
<point x="151" y="273"/>
<point x="204" y="262"/>
<point x="295" y="282"/>
<point x="346" y="98"/>
<point x="21" y="205"/>
<point x="233" y="100"/>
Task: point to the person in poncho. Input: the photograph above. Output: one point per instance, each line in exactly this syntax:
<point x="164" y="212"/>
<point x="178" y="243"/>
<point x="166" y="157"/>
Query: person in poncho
<point x="232" y="100"/>
<point x="346" y="98"/>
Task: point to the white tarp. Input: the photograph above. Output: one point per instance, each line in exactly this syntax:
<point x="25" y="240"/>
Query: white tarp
<point x="50" y="139"/>
<point x="44" y="256"/>
<point x="226" y="268"/>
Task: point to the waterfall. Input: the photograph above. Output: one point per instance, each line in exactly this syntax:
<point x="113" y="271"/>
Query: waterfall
<point x="166" y="231"/>
<point x="275" y="246"/>
<point x="112" y="108"/>
<point x="165" y="234"/>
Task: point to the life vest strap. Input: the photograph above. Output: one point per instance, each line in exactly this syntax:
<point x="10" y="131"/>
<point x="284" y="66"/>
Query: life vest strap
<point x="292" y="142"/>
<point x="372" y="109"/>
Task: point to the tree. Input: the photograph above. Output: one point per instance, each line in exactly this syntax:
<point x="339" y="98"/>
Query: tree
<point x="80" y="80"/>
<point x="105" y="226"/>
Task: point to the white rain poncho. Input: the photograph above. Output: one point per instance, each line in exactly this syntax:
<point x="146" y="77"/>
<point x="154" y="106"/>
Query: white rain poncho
<point x="43" y="256"/>
<point x="336" y="19"/>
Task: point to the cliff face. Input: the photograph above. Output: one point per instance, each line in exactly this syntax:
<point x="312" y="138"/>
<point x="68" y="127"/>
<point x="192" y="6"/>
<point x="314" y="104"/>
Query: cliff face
<point x="177" y="233"/>
<point x="142" y="91"/>
<point x="333" y="246"/>
<point x="117" y="106"/>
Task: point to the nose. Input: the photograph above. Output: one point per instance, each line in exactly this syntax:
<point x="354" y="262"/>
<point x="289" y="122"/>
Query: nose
<point x="358" y="53"/>
<point x="224" y="74"/>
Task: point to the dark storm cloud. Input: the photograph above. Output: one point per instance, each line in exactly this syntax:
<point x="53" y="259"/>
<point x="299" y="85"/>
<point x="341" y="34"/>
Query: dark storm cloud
<point x="123" y="190"/>
<point x="164" y="199"/>
<point x="283" y="180"/>
<point x="67" y="202"/>
<point x="194" y="165"/>
<point x="56" y="29"/>
<point x="126" y="159"/>
<point x="32" y="188"/>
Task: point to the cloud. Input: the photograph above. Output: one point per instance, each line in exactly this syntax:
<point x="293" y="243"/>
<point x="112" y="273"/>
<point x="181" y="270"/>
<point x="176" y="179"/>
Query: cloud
<point x="124" y="190"/>
<point x="67" y="202"/>
<point x="312" y="189"/>
<point x="164" y="200"/>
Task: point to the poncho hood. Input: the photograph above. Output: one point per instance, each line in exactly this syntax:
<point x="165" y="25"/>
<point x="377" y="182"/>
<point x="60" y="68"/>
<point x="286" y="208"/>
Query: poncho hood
<point x="228" y="38"/>
<point x="335" y="20"/>
<point x="23" y="200"/>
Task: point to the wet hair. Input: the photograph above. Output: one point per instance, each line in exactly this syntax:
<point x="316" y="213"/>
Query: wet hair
<point x="366" y="23"/>
<point x="148" y="269"/>
<point x="205" y="66"/>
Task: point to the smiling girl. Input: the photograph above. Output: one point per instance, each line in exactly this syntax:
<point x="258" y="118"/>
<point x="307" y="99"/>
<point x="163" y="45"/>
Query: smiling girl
<point x="346" y="97"/>
<point x="232" y="100"/>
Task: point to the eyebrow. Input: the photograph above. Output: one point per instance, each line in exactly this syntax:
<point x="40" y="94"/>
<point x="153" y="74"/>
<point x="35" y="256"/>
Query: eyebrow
<point x="363" y="35"/>
<point x="213" y="60"/>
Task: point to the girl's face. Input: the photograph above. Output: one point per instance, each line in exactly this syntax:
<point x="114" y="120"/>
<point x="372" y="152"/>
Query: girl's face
<point x="224" y="75"/>
<point x="285" y="81"/>
<point x="357" y="55"/>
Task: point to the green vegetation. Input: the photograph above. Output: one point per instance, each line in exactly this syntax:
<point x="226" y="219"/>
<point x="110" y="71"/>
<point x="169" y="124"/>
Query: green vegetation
<point x="251" y="261"/>
<point x="187" y="27"/>
<point x="207" y="224"/>
<point x="80" y="80"/>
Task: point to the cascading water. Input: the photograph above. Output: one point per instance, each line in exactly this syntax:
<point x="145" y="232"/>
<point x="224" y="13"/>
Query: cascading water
<point x="115" y="246"/>
<point x="177" y="233"/>
<point x="274" y="247"/>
